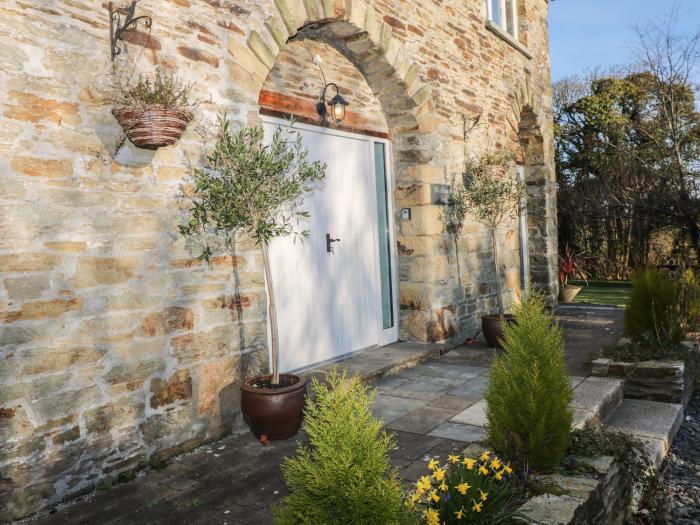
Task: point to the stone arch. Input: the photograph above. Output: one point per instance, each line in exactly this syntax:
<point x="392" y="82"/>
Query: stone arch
<point x="525" y="118"/>
<point x="355" y="29"/>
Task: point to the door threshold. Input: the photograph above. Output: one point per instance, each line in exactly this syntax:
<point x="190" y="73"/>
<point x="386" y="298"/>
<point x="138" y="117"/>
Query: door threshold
<point x="376" y="362"/>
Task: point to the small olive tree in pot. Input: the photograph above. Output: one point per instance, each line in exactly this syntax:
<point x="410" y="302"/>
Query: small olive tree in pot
<point x="492" y="195"/>
<point x="248" y="188"/>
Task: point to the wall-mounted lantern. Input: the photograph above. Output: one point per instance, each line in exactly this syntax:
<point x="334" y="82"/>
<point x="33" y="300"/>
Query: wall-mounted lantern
<point x="117" y="26"/>
<point x="336" y="104"/>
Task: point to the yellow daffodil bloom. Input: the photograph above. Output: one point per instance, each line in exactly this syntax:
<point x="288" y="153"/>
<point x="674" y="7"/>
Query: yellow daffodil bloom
<point x="462" y="488"/>
<point x="420" y="491"/>
<point x="496" y="464"/>
<point x="483" y="470"/>
<point x="439" y="474"/>
<point x="432" y="517"/>
<point x="433" y="464"/>
<point x="453" y="459"/>
<point x="460" y="513"/>
<point x="484" y="495"/>
<point x="498" y="475"/>
<point x="443" y="487"/>
<point x="434" y="496"/>
<point x="485" y="456"/>
<point x="424" y="483"/>
<point x="508" y="469"/>
<point x="477" y="506"/>
<point x="469" y="463"/>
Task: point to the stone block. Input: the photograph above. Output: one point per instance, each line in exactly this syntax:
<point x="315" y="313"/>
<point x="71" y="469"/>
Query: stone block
<point x="125" y="412"/>
<point x="475" y="415"/>
<point x="218" y="387"/>
<point x="29" y="262"/>
<point x="459" y="432"/>
<point x="169" y="428"/>
<point x="27" y="287"/>
<point x="45" y="408"/>
<point x="177" y="388"/>
<point x="127" y="371"/>
<point x="172" y="319"/>
<point x="218" y="342"/>
<point x="94" y="271"/>
<point x="42" y="360"/>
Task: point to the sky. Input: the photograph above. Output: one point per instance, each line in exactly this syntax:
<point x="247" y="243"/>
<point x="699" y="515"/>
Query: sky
<point x="586" y="34"/>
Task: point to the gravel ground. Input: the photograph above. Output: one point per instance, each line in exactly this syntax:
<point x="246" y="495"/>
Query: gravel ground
<point x="680" y="474"/>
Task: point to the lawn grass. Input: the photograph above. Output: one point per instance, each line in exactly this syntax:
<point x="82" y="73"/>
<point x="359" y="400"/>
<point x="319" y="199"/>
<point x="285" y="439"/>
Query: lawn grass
<point x="613" y="293"/>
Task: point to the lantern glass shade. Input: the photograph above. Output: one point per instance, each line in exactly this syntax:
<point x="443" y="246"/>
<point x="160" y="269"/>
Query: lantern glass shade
<point x="338" y="104"/>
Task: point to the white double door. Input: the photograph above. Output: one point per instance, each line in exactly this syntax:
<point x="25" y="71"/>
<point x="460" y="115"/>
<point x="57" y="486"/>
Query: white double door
<point x="335" y="291"/>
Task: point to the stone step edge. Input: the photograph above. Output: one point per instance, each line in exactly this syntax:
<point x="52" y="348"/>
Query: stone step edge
<point x="431" y="352"/>
<point x="657" y="448"/>
<point x="594" y="415"/>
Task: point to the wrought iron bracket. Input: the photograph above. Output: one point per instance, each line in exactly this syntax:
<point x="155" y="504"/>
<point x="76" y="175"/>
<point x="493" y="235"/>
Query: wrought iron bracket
<point x="118" y="25"/>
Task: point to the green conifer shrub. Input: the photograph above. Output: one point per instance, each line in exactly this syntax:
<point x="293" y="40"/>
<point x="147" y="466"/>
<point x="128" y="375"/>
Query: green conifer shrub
<point x="343" y="475"/>
<point x="528" y="396"/>
<point x="652" y="313"/>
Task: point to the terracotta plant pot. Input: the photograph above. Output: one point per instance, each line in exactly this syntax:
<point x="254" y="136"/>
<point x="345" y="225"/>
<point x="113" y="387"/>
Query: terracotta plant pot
<point x="567" y="293"/>
<point x="274" y="412"/>
<point x="153" y="127"/>
<point x="492" y="326"/>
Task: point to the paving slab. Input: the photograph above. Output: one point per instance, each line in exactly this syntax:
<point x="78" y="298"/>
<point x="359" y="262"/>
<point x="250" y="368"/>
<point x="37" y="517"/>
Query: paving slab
<point x="474" y="415"/>
<point x="454" y="402"/>
<point x="459" y="432"/>
<point x="471" y="388"/>
<point x="438" y="368"/>
<point x="421" y="420"/>
<point x="388" y="408"/>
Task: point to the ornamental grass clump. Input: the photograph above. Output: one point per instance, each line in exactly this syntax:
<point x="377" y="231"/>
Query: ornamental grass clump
<point x="343" y="474"/>
<point x="653" y="312"/>
<point x="528" y="396"/>
<point x="466" y="490"/>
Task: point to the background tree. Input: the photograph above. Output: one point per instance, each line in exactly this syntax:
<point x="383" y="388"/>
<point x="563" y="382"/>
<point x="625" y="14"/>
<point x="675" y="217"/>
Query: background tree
<point x="627" y="150"/>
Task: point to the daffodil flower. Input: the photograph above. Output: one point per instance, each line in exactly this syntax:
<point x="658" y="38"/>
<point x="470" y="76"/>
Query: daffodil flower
<point x="434" y="496"/>
<point x="508" y="469"/>
<point x="460" y="513"/>
<point x="424" y="483"/>
<point x="462" y="488"/>
<point x="498" y="475"/>
<point x="496" y="464"/>
<point x="469" y="463"/>
<point x="483" y="471"/>
<point x="477" y="506"/>
<point x="484" y="495"/>
<point x="439" y="474"/>
<point x="453" y="459"/>
<point x="432" y="517"/>
<point x="443" y="487"/>
<point x="433" y="464"/>
<point x="485" y="456"/>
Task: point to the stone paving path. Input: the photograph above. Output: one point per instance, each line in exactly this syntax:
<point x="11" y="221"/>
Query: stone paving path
<point x="433" y="409"/>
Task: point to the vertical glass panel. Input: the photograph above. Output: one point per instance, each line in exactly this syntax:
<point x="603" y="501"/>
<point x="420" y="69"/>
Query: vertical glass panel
<point x="496" y="11"/>
<point x="524" y="252"/>
<point x="384" y="237"/>
<point x="510" y="17"/>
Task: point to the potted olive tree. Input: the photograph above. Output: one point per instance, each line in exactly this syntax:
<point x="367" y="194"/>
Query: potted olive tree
<point x="492" y="196"/>
<point x="248" y="188"/>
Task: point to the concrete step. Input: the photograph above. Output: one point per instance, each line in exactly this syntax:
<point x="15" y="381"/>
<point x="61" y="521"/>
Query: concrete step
<point x="595" y="399"/>
<point x="652" y="422"/>
<point x="375" y="363"/>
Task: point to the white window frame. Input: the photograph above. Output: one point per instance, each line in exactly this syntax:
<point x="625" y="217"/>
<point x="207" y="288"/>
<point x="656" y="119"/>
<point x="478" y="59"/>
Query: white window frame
<point x="513" y="15"/>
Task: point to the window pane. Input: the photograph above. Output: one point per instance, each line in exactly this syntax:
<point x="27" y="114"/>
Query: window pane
<point x="510" y="17"/>
<point x="384" y="237"/>
<point x="496" y="11"/>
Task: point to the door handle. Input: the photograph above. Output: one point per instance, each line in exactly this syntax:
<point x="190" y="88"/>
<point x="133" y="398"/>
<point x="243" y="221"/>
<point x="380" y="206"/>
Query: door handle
<point x="329" y="243"/>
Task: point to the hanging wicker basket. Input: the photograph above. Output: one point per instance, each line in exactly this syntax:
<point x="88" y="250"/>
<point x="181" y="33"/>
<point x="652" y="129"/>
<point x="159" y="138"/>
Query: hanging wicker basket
<point x="153" y="127"/>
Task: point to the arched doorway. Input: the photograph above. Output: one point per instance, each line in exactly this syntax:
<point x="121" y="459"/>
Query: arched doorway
<point x="337" y="291"/>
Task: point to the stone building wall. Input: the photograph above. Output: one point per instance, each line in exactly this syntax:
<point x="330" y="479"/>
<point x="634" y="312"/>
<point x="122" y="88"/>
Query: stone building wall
<point x="115" y="343"/>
